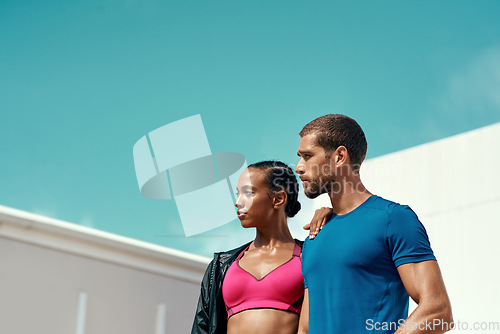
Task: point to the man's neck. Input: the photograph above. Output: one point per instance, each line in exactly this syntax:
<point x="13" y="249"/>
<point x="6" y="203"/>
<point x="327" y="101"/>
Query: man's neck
<point x="351" y="195"/>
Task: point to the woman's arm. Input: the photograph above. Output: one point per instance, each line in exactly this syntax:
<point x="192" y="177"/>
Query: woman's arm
<point x="200" y="323"/>
<point x="304" y="315"/>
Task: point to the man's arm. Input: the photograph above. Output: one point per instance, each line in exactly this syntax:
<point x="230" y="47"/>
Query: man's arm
<point x="304" y="314"/>
<point x="424" y="284"/>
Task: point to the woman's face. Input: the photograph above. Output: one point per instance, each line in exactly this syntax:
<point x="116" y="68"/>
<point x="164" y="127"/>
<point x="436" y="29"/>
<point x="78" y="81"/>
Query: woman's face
<point x="254" y="202"/>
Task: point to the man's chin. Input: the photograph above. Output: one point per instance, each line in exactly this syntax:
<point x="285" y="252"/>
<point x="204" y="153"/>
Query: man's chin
<point x="311" y="194"/>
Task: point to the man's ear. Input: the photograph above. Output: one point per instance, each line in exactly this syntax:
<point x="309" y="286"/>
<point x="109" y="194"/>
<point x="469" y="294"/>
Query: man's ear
<point x="279" y="199"/>
<point x="340" y="156"/>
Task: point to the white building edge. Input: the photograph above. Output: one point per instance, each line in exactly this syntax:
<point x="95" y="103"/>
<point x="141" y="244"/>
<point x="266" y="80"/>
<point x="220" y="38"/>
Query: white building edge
<point x="62" y="278"/>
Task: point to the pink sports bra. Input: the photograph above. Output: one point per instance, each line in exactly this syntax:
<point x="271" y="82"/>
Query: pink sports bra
<point x="282" y="288"/>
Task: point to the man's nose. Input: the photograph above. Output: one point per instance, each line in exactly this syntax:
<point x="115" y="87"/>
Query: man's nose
<point x="299" y="168"/>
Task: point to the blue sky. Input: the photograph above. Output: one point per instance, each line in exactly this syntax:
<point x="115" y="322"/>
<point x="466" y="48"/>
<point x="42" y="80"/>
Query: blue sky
<point x="81" y="82"/>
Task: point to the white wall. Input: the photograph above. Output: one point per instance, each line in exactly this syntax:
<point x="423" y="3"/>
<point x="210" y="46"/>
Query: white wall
<point x="60" y="278"/>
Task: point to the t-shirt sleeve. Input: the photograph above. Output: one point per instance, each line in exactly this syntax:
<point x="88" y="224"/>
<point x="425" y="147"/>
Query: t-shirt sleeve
<point x="407" y="238"/>
<point x="302" y="260"/>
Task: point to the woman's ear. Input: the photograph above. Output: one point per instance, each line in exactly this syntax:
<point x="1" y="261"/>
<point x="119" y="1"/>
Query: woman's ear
<point x="279" y="199"/>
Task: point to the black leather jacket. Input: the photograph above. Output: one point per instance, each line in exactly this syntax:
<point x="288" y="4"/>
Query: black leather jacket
<point x="211" y="314"/>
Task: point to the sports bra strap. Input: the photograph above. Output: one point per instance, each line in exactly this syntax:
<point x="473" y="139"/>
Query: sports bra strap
<point x="242" y="252"/>
<point x="296" y="250"/>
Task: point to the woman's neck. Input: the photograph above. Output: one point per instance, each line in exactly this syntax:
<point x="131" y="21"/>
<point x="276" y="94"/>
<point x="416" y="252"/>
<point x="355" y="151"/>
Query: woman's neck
<point x="274" y="233"/>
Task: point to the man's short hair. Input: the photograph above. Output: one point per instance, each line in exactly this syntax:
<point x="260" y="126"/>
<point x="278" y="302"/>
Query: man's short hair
<point x="336" y="130"/>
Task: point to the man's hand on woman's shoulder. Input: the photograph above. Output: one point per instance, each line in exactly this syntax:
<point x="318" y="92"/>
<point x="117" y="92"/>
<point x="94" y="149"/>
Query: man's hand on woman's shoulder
<point x="321" y="216"/>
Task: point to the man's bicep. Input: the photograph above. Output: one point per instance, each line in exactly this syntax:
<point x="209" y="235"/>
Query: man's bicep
<point x="422" y="280"/>
<point x="424" y="283"/>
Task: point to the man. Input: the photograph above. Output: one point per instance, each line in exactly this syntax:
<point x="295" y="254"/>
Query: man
<point x="373" y="253"/>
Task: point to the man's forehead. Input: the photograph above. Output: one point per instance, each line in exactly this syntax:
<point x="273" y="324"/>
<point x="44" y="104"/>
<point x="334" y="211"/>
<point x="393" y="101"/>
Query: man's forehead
<point x="308" y="142"/>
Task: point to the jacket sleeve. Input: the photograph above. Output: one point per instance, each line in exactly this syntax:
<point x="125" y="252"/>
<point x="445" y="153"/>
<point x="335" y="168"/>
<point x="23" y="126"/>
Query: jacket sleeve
<point x="201" y="318"/>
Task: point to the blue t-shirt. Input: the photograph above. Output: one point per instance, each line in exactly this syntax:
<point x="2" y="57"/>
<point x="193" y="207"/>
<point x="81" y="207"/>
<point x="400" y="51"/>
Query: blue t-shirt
<point x="350" y="268"/>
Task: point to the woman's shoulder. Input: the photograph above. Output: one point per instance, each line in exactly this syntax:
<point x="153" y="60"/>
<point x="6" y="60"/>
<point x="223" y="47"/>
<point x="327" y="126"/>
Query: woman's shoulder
<point x="234" y="251"/>
<point x="299" y="242"/>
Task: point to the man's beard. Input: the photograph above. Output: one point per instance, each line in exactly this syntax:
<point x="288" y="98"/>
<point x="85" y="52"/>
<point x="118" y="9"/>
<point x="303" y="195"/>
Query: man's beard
<point x="321" y="185"/>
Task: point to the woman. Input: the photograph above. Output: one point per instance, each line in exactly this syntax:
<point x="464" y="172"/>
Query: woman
<point x="258" y="287"/>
